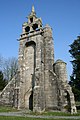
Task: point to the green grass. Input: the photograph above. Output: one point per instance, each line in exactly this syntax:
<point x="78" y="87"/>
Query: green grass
<point x="7" y="109"/>
<point x="10" y="109"/>
<point x="47" y="113"/>
<point x="54" y="114"/>
<point x="25" y="118"/>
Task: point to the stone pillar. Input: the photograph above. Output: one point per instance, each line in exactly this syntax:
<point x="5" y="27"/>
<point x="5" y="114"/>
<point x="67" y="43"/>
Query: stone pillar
<point x="48" y="63"/>
<point x="20" y="68"/>
<point x="48" y="48"/>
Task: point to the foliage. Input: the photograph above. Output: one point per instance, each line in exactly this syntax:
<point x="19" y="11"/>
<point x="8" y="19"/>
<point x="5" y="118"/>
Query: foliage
<point x="75" y="77"/>
<point x="2" y="81"/>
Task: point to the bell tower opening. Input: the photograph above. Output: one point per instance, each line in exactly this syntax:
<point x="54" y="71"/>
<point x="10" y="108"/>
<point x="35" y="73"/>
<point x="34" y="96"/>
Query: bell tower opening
<point x="27" y="29"/>
<point x="35" y="26"/>
<point x="31" y="19"/>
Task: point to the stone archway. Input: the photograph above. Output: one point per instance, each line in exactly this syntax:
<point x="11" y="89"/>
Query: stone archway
<point x="28" y="100"/>
<point x="29" y="72"/>
<point x="31" y="101"/>
<point x="71" y="103"/>
<point x="68" y="102"/>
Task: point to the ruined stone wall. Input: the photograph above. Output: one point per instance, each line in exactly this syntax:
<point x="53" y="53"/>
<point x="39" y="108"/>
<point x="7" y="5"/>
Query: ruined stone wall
<point x="65" y="95"/>
<point x="9" y="95"/>
<point x="49" y="76"/>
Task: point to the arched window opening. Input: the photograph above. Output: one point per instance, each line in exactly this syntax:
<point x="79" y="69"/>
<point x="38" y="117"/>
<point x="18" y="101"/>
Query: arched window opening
<point x="31" y="20"/>
<point x="31" y="101"/>
<point x="27" y="29"/>
<point x="35" y="26"/>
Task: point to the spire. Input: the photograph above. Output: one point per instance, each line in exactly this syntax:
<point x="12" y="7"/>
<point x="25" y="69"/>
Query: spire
<point x="33" y="10"/>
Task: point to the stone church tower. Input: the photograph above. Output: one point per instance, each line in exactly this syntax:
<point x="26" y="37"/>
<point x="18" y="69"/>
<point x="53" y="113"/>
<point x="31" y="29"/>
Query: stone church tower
<point x="40" y="83"/>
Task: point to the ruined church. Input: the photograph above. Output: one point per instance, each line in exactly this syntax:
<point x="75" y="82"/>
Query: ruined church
<point x="40" y="84"/>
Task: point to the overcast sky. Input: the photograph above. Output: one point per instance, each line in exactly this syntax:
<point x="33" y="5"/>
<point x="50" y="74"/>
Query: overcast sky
<point x="62" y="15"/>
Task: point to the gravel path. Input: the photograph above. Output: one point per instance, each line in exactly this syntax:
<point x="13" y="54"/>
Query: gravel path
<point x="20" y="114"/>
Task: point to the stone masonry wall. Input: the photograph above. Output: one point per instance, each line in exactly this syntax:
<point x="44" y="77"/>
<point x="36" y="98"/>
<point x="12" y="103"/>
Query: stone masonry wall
<point x="9" y="95"/>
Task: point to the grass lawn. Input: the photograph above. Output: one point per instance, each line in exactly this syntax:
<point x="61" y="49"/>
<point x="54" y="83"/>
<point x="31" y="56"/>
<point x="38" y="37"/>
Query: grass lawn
<point x="23" y="118"/>
<point x="10" y="109"/>
<point x="7" y="109"/>
<point x="54" y="114"/>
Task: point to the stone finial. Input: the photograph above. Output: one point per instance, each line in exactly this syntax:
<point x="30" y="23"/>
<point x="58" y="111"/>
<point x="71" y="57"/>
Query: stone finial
<point x="33" y="10"/>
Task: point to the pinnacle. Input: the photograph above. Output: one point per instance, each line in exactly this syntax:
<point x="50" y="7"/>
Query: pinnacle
<point x="33" y="10"/>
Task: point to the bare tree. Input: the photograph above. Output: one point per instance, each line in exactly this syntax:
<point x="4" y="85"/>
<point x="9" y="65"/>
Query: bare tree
<point x="1" y="61"/>
<point x="10" y="68"/>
